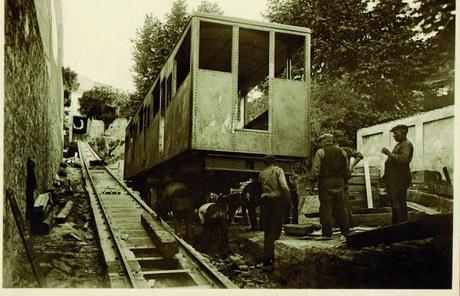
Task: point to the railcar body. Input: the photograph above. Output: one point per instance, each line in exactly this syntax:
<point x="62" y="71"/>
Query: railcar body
<point x="231" y="91"/>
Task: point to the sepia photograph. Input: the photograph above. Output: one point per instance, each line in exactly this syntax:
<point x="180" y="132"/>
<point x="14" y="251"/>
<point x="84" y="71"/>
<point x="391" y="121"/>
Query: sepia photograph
<point x="304" y="146"/>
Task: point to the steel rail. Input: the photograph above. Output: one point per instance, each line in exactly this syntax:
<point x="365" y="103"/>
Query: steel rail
<point x="125" y="264"/>
<point x="220" y="280"/>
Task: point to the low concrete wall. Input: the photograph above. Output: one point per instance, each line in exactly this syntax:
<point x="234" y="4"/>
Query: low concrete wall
<point x="431" y="133"/>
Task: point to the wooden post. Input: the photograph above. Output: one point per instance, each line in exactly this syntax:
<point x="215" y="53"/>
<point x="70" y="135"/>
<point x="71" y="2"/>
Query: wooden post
<point x="21" y="227"/>
<point x="367" y="178"/>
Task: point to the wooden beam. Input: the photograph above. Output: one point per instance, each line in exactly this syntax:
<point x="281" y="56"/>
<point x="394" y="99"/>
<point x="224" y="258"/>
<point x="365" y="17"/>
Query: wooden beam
<point x="164" y="241"/>
<point x="21" y="227"/>
<point x="367" y="179"/>
<point x="429" y="226"/>
<point x="41" y="206"/>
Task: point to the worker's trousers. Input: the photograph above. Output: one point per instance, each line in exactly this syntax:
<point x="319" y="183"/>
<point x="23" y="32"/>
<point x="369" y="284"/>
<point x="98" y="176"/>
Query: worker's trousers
<point x="331" y="197"/>
<point x="397" y="194"/>
<point x="272" y="209"/>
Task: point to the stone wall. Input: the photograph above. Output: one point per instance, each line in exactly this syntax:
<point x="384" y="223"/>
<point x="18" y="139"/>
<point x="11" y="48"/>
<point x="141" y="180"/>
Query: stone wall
<point x="33" y="117"/>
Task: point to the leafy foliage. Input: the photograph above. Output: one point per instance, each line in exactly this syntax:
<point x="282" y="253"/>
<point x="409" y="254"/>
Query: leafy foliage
<point x="436" y="23"/>
<point x="70" y="80"/>
<point x="155" y="40"/>
<point x="368" y="55"/>
<point x="102" y="103"/>
<point x="209" y="7"/>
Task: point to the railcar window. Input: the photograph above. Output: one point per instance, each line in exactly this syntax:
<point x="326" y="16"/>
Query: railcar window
<point x="156" y="99"/>
<point x="168" y="90"/>
<point x="215" y="47"/>
<point x="148" y="115"/>
<point x="141" y="120"/>
<point x="289" y="56"/>
<point x="162" y="98"/>
<point x="183" y="61"/>
<point x="253" y="61"/>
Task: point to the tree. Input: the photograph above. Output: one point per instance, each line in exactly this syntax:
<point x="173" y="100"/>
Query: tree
<point x="369" y="47"/>
<point x="70" y="80"/>
<point x="149" y="54"/>
<point x="336" y="108"/>
<point x="155" y="40"/>
<point x="209" y="7"/>
<point x="130" y="105"/>
<point x="102" y="103"/>
<point x="436" y="25"/>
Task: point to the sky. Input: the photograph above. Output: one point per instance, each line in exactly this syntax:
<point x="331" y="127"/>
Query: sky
<point x="98" y="33"/>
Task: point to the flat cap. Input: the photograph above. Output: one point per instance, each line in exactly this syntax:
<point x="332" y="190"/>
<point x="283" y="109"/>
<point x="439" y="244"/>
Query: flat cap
<point x="400" y="127"/>
<point x="325" y="136"/>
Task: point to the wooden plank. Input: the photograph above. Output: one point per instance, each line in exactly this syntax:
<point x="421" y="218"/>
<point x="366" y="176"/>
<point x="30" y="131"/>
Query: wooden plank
<point x="21" y="227"/>
<point x="162" y="272"/>
<point x="429" y="226"/>
<point x="370" y="203"/>
<point x="165" y="242"/>
<point x="421" y="208"/>
<point x="300" y="229"/>
<point x="62" y="216"/>
<point x="447" y="176"/>
<point x="439" y="203"/>
<point x="372" y="210"/>
<point x="372" y="219"/>
<point x="41" y="206"/>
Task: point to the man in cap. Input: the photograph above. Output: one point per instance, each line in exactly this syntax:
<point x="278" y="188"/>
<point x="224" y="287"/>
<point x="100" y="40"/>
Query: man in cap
<point x="275" y="193"/>
<point x="330" y="168"/>
<point x="357" y="156"/>
<point x="397" y="172"/>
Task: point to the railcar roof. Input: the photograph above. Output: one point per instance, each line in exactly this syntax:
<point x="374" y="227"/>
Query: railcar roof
<point x="251" y="22"/>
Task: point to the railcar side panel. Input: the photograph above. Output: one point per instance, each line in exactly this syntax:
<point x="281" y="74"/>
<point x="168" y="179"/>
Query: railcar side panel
<point x="177" y="122"/>
<point x="212" y="122"/>
<point x="152" y="142"/>
<point x="139" y="152"/>
<point x="289" y="99"/>
<point x="252" y="141"/>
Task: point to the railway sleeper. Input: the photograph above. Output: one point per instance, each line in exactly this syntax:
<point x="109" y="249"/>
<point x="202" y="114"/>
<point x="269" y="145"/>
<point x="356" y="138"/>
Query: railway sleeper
<point x="165" y="242"/>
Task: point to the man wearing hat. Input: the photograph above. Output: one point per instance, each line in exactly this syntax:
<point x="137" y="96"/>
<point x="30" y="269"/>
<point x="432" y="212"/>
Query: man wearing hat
<point x="330" y="168"/>
<point x="397" y="172"/>
<point x="275" y="193"/>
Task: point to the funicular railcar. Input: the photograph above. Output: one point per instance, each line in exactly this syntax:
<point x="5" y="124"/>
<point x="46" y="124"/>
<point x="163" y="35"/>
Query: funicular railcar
<point x="231" y="91"/>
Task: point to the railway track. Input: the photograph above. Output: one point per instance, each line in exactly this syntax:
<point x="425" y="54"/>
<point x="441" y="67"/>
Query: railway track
<point x="140" y="251"/>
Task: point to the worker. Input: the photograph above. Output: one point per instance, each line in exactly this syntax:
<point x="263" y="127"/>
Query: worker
<point x="176" y="198"/>
<point x="397" y="173"/>
<point x="330" y="169"/>
<point x="294" y="210"/>
<point x="275" y="192"/>
<point x="357" y="156"/>
<point x="213" y="217"/>
<point x="250" y="200"/>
